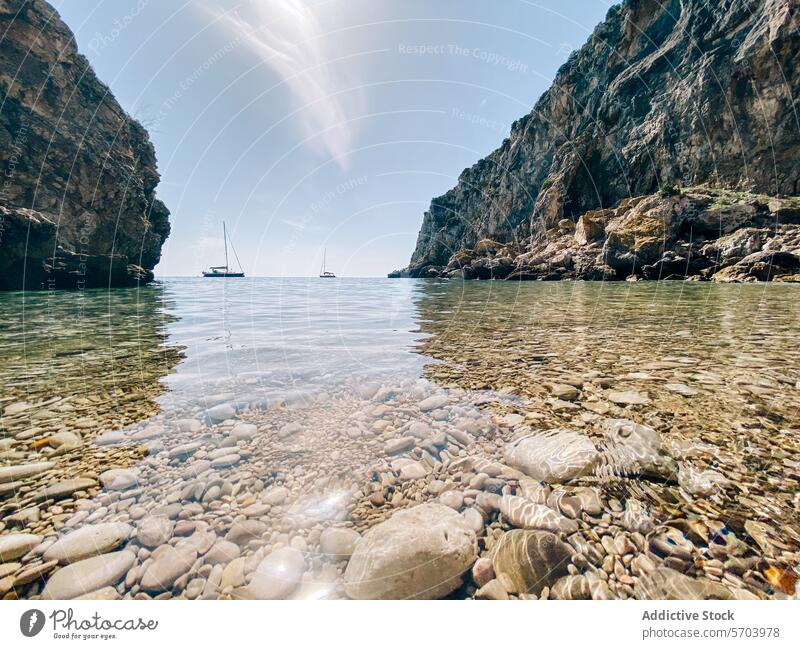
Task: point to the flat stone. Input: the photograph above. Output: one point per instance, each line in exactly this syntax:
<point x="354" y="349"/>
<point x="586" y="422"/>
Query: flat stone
<point x="682" y="389"/>
<point x="154" y="531"/>
<point x="243" y="531"/>
<point x="226" y="460"/>
<point x="171" y="563"/>
<point x="88" y="541"/>
<point x="106" y="593"/>
<point x="195" y="469"/>
<point x="64" y="489"/>
<point x="338" y="542"/>
<point x="557" y="455"/>
<point x="119" y="479"/>
<point x="565" y="392"/>
<point x="21" y="471"/>
<point x="222" y="552"/>
<point x="433" y="403"/>
<point x="290" y="430"/>
<point x="275" y="495"/>
<point x="244" y="431"/>
<point x="628" y="397"/>
<point x="15" y="545"/>
<point x="399" y="445"/>
<point x="276" y="576"/>
<point x="185" y="450"/>
<point x="413" y="471"/>
<point x="221" y="412"/>
<point x="88" y="575"/>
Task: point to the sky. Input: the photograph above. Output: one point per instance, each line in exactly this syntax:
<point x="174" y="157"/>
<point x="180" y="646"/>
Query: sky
<point x="313" y="125"/>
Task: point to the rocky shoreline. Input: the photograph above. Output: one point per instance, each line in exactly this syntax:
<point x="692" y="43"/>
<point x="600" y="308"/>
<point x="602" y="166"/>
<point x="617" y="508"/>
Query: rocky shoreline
<point x="696" y="233"/>
<point x="575" y="479"/>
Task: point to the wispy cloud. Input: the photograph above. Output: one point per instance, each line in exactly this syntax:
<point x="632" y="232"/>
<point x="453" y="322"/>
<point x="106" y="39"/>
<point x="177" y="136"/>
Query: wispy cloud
<point x="287" y="36"/>
<point x="305" y="227"/>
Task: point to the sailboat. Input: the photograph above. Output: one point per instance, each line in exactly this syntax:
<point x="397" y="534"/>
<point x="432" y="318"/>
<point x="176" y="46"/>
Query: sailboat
<point x="225" y="271"/>
<point x="322" y="272"/>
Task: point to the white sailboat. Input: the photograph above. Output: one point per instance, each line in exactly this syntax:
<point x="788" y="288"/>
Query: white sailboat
<point x="326" y="274"/>
<point x="225" y="271"/>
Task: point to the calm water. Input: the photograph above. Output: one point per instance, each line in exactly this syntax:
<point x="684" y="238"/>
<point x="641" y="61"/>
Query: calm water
<point x="327" y="374"/>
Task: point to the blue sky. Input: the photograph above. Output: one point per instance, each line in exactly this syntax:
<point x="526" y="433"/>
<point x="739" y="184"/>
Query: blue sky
<point x="312" y="124"/>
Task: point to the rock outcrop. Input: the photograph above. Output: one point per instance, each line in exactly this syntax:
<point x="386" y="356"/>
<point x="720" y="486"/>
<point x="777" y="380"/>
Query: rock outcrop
<point x="77" y="195"/>
<point x="673" y="127"/>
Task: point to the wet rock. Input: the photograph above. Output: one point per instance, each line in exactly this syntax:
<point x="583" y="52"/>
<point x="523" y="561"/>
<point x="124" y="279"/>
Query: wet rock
<point x="88" y="541"/>
<point x="168" y="565"/>
<point x="554" y="456"/>
<point x="530" y="516"/>
<point x="635" y="518"/>
<point x="565" y="392"/>
<point x="244" y="432"/>
<point x="413" y="471"/>
<point x="119" y="479"/>
<point x="221" y="412"/>
<point x="154" y="531"/>
<point x="453" y="499"/>
<point x="338" y="542"/>
<point x="276" y="576"/>
<point x="290" y="430"/>
<point x="571" y="587"/>
<point x="399" y="445"/>
<point x="15" y="545"/>
<point x="88" y="575"/>
<point x="636" y="449"/>
<point x="433" y="403"/>
<point x="493" y="590"/>
<point x="275" y="495"/>
<point x="64" y="489"/>
<point x="243" y="531"/>
<point x="528" y="561"/>
<point x="418" y="553"/>
<point x="665" y="583"/>
<point x="698" y="482"/>
<point x="628" y="397"/>
<point x="222" y="552"/>
<point x="21" y="471"/>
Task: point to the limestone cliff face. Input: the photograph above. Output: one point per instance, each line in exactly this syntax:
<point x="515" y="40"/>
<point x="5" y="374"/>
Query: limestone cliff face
<point x="77" y="193"/>
<point x="664" y="93"/>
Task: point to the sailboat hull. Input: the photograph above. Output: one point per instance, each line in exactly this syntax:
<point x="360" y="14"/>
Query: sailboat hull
<point x="205" y="274"/>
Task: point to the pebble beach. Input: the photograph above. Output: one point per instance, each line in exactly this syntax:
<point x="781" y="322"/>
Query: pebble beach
<point x="569" y="441"/>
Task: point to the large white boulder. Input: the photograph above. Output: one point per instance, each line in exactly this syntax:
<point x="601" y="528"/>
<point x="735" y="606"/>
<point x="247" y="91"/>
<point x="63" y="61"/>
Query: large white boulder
<point x="419" y="553"/>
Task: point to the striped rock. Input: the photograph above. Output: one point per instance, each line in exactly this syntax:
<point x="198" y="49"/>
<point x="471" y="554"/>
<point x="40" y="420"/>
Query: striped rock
<point x="666" y="583"/>
<point x="700" y="483"/>
<point x="534" y="490"/>
<point x="635" y="518"/>
<point x="571" y="587"/>
<point x="528" y="561"/>
<point x="574" y="501"/>
<point x="531" y="516"/>
<point x="635" y="449"/>
<point x="557" y="455"/>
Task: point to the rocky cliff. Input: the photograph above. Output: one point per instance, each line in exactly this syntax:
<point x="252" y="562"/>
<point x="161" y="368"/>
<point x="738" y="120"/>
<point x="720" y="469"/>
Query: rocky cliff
<point x="665" y="95"/>
<point x="77" y="194"/>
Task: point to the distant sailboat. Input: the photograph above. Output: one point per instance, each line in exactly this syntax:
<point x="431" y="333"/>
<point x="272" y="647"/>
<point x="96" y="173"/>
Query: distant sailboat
<point x="325" y="273"/>
<point x="225" y="271"/>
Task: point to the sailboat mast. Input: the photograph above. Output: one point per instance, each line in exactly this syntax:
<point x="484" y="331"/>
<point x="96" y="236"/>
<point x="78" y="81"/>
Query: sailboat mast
<point x="225" y="237"/>
<point x="324" y="256"/>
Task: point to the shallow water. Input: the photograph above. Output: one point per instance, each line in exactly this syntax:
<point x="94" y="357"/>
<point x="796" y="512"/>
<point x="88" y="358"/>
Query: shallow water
<point x="329" y="373"/>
